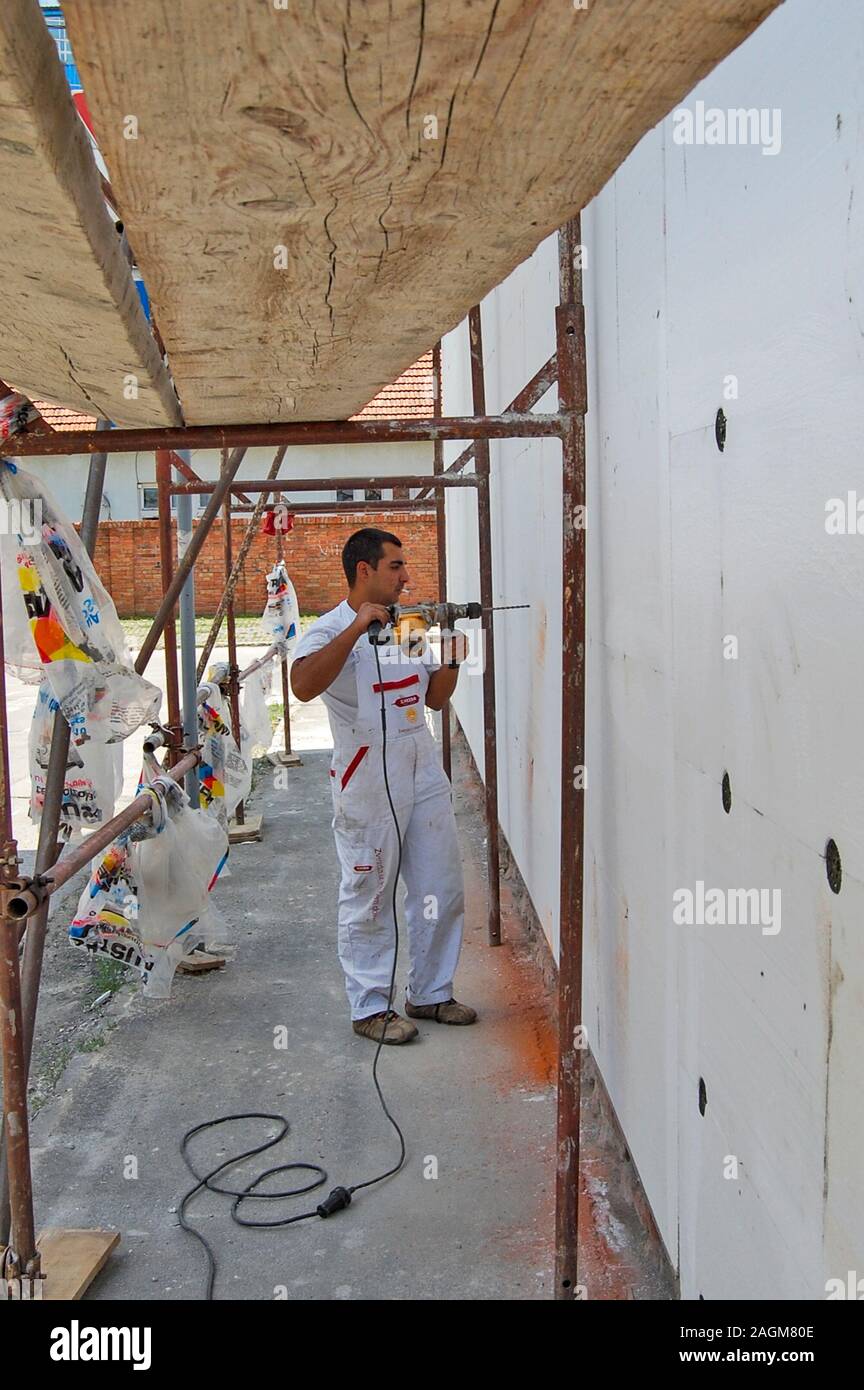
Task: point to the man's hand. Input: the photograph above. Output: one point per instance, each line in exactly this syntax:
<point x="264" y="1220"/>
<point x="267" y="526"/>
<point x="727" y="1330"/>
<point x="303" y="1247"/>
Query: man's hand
<point x="368" y="613"/>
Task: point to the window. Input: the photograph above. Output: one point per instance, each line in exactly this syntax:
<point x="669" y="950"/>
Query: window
<point x="149" y="501"/>
<point x="344" y="495"/>
<point x="373" y="494"/>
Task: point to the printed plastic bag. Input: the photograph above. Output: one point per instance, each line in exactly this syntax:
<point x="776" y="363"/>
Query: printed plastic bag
<point x="16" y="411"/>
<point x="256" y="731"/>
<point x="281" y="617"/>
<point x="94" y="773"/>
<point x="150" y="888"/>
<point x="225" y="774"/>
<point x="106" y="920"/>
<point x="60" y="623"/>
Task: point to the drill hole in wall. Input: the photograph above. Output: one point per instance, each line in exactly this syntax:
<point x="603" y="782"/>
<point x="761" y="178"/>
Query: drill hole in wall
<point x="727" y="793"/>
<point x="720" y="429"/>
<point x="833" y="867"/>
<point x="703" y="1096"/>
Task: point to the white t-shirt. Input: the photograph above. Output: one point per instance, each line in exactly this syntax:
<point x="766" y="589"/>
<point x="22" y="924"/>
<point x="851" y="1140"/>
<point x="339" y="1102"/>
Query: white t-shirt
<point x="340" y="697"/>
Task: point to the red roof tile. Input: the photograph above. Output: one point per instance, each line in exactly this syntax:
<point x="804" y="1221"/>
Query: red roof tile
<point x="410" y="397"/>
<point x="60" y="417"/>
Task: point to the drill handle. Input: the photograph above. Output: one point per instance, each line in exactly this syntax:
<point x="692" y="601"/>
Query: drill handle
<point x="375" y="629"/>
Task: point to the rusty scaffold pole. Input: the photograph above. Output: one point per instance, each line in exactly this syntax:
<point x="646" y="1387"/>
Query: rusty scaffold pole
<point x="21" y="1257"/>
<point x="173" y="721"/>
<point x="396" y="430"/>
<point x="290" y="756"/>
<point x="572" y="403"/>
<point x="484" y="536"/>
<point x="440" y="535"/>
<point x="231" y="633"/>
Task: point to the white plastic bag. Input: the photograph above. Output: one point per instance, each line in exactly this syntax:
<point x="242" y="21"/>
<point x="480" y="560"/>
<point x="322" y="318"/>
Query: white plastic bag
<point x="281" y="617"/>
<point x="60" y="623"/>
<point x="174" y="872"/>
<point x="256" y="729"/>
<point x="94" y="772"/>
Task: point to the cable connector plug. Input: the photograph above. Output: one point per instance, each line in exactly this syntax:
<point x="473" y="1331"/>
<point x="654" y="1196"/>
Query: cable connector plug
<point x="338" y="1199"/>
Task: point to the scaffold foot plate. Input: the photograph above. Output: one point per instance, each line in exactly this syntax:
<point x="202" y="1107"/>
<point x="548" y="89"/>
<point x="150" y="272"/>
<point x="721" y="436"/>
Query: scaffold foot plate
<point x="249" y="830"/>
<point x="197" y="962"/>
<point x="287" y="759"/>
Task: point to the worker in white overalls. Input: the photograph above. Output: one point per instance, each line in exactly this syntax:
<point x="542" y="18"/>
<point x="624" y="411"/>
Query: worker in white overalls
<point x="336" y="660"/>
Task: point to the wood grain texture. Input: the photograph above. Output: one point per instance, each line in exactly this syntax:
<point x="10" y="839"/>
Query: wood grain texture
<point x="71" y="1259"/>
<point x="73" y="328"/>
<point x="305" y="127"/>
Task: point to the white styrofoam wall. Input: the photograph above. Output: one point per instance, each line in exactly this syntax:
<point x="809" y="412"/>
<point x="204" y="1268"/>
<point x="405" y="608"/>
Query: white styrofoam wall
<point x="705" y="262"/>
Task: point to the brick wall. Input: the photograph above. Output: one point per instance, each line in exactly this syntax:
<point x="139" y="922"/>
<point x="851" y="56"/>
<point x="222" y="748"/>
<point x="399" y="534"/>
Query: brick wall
<point x="127" y="560"/>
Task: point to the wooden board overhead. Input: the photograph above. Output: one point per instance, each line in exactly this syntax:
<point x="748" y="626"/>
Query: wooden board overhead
<point x="73" y="328"/>
<point x="405" y="156"/>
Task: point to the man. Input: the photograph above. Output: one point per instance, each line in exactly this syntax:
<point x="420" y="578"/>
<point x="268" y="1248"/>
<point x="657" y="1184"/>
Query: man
<point x="336" y="660"/>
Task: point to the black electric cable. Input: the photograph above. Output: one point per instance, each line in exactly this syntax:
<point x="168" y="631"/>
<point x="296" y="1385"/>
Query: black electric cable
<point x="371" y="1181"/>
<point x="340" y="1197"/>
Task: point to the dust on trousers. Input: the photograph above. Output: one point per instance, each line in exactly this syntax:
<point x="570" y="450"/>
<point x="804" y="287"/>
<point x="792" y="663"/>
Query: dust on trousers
<point x="368" y="850"/>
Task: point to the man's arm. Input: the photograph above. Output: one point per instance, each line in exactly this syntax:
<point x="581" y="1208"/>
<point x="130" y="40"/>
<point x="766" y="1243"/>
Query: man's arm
<point x="313" y="673"/>
<point x="442" y="682"/>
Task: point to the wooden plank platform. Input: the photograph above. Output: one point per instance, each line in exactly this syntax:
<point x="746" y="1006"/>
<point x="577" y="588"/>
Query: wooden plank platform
<point x="71" y="1259"/>
<point x="73" y="328"/>
<point x="318" y="192"/>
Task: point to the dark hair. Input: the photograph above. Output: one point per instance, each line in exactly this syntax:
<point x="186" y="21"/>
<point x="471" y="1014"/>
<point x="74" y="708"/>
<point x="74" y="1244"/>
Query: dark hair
<point x="367" y="545"/>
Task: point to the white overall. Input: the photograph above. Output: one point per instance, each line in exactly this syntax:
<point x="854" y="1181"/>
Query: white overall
<point x="367" y="843"/>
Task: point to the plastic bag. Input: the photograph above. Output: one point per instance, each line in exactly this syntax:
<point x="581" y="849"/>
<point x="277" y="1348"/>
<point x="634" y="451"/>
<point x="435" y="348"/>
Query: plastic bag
<point x="225" y="774"/>
<point x="174" y="873"/>
<point x="146" y="894"/>
<point x="60" y="624"/>
<point x="16" y="411"/>
<point x="94" y="773"/>
<point x="281" y="617"/>
<point x="256" y="731"/>
<point x="106" y="920"/>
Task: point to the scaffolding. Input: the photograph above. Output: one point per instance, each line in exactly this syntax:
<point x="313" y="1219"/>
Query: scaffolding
<point x="24" y="901"/>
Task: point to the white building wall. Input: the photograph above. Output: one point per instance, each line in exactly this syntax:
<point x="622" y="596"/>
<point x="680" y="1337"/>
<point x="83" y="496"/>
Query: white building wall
<point x="705" y="263"/>
<point x="67" y="478"/>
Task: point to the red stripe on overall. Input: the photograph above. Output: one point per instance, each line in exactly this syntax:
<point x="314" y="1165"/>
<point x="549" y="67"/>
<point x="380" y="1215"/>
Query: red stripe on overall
<point x="353" y="765"/>
<point x="396" y="685"/>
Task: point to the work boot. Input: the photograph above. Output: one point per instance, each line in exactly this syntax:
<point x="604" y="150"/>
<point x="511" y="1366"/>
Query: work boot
<point x="449" y="1012"/>
<point x="399" y="1030"/>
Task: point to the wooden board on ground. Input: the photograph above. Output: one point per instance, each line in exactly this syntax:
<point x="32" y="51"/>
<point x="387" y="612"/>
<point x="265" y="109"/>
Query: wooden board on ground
<point x="286" y="759"/>
<point x="317" y="192"/>
<point x="199" y="962"/>
<point x="249" y="830"/>
<point x="72" y="1259"/>
<point x="73" y="327"/>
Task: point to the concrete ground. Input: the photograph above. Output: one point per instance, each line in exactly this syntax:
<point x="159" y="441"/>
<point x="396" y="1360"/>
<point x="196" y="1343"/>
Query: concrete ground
<point x="470" y="1215"/>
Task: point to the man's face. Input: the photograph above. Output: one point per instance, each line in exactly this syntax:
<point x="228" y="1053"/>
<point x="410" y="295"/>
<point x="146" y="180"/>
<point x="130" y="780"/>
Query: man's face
<point x="385" y="584"/>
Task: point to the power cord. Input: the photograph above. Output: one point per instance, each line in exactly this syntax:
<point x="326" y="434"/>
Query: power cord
<point x="339" y="1197"/>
